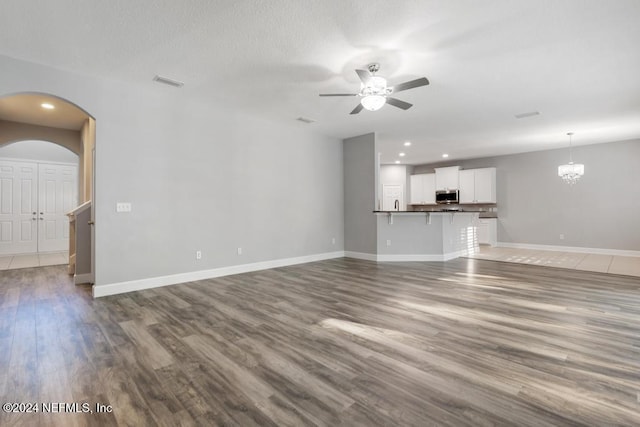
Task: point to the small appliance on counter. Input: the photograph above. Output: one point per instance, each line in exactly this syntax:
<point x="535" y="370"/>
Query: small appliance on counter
<point x="447" y="197"/>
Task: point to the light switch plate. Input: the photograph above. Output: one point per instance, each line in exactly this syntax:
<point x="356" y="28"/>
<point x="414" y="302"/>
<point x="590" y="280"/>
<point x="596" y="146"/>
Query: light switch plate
<point x="123" y="207"/>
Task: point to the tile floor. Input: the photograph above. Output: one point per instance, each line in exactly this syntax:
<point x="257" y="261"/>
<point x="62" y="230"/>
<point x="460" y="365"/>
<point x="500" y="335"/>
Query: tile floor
<point x="626" y="265"/>
<point x="12" y="262"/>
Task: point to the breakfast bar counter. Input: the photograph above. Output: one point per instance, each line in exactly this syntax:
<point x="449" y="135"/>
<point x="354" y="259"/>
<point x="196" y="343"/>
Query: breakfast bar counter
<point x="426" y="235"/>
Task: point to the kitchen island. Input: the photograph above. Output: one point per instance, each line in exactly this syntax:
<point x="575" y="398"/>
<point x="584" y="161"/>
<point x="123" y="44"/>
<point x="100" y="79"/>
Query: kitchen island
<point x="426" y="235"/>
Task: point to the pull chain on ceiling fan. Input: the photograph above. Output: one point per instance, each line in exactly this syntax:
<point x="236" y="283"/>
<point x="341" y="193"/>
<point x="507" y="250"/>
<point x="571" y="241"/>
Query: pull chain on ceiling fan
<point x="374" y="92"/>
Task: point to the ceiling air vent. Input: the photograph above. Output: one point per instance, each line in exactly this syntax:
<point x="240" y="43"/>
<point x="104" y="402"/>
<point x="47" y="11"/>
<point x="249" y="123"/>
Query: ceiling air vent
<point x="525" y="115"/>
<point x="168" y="81"/>
<point x="305" y="120"/>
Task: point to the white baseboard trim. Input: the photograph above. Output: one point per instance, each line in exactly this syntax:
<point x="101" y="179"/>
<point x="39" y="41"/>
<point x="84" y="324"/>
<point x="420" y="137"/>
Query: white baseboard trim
<point x="156" y="282"/>
<point x="410" y="258"/>
<point x="456" y="254"/>
<point x="79" y="279"/>
<point x="577" y="249"/>
<point x="406" y="257"/>
<point x="361" y="255"/>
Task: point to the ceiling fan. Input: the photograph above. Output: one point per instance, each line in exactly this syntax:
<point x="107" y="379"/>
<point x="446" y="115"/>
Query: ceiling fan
<point x="374" y="92"/>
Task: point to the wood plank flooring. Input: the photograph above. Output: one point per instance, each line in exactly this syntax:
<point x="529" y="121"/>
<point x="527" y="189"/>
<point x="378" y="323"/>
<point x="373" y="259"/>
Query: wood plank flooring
<point x="339" y="342"/>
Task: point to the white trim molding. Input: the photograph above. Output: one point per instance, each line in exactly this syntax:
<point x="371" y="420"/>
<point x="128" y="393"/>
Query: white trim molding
<point x="174" y="279"/>
<point x="577" y="249"/>
<point x="361" y="255"/>
<point x="409" y="258"/>
<point x="406" y="257"/>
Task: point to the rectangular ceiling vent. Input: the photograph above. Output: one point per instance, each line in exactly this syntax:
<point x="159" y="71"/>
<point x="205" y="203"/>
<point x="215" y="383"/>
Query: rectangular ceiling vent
<point x="525" y="115"/>
<point x="305" y="120"/>
<point x="168" y="81"/>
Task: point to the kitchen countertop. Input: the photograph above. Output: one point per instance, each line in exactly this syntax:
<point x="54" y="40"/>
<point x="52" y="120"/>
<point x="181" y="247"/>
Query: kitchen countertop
<point x="482" y="214"/>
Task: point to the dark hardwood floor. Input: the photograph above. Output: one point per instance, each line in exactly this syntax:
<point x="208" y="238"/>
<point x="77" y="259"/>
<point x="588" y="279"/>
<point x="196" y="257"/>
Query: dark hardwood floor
<point x="339" y="342"/>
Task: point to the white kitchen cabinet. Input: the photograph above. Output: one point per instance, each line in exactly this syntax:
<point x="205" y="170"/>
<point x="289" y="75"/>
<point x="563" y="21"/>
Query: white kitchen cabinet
<point x="485" y="185"/>
<point x="467" y="186"/>
<point x="423" y="189"/>
<point x="487" y="231"/>
<point x="429" y="188"/>
<point x="478" y="185"/>
<point x="415" y="196"/>
<point x="447" y="178"/>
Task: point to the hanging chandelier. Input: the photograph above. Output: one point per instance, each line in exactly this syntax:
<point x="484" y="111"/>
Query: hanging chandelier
<point x="571" y="172"/>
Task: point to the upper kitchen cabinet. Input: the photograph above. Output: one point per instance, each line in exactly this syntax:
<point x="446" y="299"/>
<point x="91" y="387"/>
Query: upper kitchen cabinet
<point x="423" y="189"/>
<point x="447" y="178"/>
<point x="478" y="185"/>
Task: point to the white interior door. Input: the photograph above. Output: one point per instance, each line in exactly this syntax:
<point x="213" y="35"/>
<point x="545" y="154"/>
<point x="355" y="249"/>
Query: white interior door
<point x="18" y="207"/>
<point x="34" y="200"/>
<point x="392" y="193"/>
<point x="57" y="195"/>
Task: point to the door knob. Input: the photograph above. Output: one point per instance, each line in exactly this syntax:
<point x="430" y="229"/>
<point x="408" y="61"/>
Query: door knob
<point x="33" y="213"/>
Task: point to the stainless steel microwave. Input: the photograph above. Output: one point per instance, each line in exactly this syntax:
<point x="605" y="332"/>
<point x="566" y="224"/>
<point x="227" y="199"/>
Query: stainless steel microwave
<point x="446" y="197"/>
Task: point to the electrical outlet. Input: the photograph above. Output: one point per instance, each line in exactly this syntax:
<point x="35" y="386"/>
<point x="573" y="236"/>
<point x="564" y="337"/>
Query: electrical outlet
<point x="198" y="254"/>
<point x="239" y="251"/>
<point x="333" y="240"/>
<point x="562" y="237"/>
<point x="388" y="242"/>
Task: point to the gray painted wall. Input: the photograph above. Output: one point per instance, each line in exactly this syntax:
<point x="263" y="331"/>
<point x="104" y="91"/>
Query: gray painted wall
<point x="11" y="132"/>
<point x="38" y="150"/>
<point x="535" y="206"/>
<point x="359" y="194"/>
<point x="200" y="176"/>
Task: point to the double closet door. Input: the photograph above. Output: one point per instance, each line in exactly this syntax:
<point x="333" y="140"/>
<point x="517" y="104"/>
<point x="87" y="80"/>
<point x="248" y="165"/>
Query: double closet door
<point x="34" y="200"/>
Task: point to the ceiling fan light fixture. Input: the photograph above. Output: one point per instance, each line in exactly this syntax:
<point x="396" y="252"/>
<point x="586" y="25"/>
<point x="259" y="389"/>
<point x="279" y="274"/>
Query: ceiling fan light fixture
<point x="374" y="92"/>
<point x="373" y="102"/>
<point x="377" y="83"/>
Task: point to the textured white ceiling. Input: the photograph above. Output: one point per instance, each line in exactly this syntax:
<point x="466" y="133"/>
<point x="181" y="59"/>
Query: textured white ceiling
<point x="577" y="62"/>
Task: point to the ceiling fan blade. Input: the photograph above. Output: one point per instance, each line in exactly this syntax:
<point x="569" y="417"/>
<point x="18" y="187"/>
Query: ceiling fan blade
<point x="338" y="94"/>
<point x="356" y="110"/>
<point x="364" y="75"/>
<point x="397" y="103"/>
<point x="411" y="84"/>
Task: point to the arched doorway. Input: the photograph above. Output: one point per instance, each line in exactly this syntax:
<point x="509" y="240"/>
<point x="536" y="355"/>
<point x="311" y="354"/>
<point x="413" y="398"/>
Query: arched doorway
<point x="44" y="117"/>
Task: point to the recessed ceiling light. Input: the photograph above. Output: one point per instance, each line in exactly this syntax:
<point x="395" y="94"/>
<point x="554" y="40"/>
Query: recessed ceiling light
<point x="397" y="162"/>
<point x="47" y="106"/>
<point x="401" y="154"/>
<point x="407" y="143"/>
<point x="445" y="155"/>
